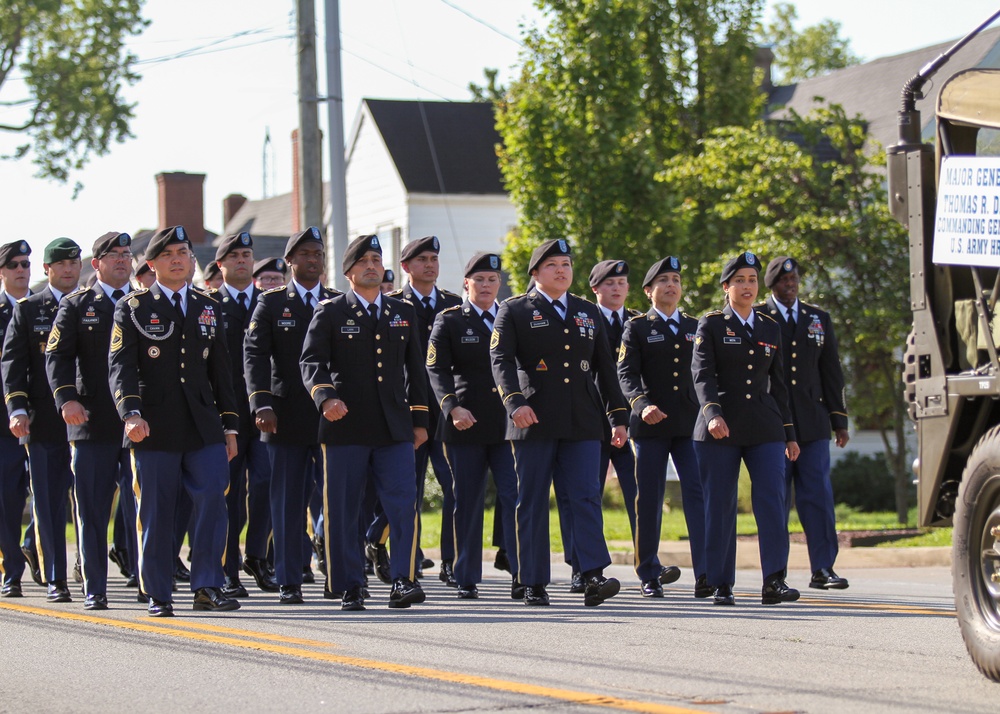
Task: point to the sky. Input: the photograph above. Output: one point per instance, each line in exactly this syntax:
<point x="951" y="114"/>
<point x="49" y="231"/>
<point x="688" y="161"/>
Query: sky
<point x="218" y="76"/>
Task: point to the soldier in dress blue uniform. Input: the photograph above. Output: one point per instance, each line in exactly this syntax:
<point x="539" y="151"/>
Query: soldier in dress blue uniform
<point x="34" y="418"/>
<point x="473" y="423"/>
<point x="283" y="410"/>
<point x="77" y="366"/>
<point x="248" y="499"/>
<point x="15" y="268"/>
<point x="654" y="369"/>
<point x="170" y="376"/>
<point x="553" y="366"/>
<point x="744" y="416"/>
<point x="364" y="367"/>
<point x="269" y="273"/>
<point x="816" y="394"/>
<point x="212" y="275"/>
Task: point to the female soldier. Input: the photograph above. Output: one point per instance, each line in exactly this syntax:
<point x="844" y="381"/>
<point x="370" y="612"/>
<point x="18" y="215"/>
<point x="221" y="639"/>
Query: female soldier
<point x="744" y="416"/>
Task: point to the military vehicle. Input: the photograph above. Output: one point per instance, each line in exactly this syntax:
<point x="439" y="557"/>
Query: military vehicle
<point x="948" y="197"/>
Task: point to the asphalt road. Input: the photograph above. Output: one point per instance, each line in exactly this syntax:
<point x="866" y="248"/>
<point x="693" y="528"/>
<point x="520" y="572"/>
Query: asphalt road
<point x="888" y="644"/>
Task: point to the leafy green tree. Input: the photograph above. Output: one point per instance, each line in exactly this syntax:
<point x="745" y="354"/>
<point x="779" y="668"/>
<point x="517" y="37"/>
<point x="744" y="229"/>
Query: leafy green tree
<point x="65" y="64"/>
<point x="608" y="91"/>
<point x="810" y="52"/>
<point x="492" y="91"/>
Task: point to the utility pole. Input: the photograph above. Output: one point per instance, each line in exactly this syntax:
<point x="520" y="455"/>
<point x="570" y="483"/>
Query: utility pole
<point x="337" y="230"/>
<point x="310" y="142"/>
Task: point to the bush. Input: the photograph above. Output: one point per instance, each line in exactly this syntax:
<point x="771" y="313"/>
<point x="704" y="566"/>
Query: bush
<point x="864" y="483"/>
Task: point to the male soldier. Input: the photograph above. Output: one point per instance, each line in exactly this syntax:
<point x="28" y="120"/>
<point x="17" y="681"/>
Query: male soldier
<point x="170" y="374"/>
<point x="15" y="268"/>
<point x="282" y="407"/>
<point x="363" y="365"/>
<point x="654" y="370"/>
<point x="388" y="282"/>
<point x="27" y="390"/>
<point x="144" y="276"/>
<point x="473" y="421"/>
<point x="816" y="395"/>
<point x="247" y="499"/>
<point x="269" y="273"/>
<point x="77" y="365"/>
<point x="550" y="352"/>
<point x="213" y="276"/>
<point x="419" y="260"/>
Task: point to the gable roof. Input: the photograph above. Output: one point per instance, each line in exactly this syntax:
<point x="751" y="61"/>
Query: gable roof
<point x="440" y="147"/>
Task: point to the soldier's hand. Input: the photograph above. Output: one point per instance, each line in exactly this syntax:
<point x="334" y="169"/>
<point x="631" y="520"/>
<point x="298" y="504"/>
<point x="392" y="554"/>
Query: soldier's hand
<point x="266" y="421"/>
<point x="842" y="437"/>
<point x="523" y="417"/>
<point x="653" y="414"/>
<point x="19" y="425"/>
<point x="136" y="429"/>
<point x="619" y="435"/>
<point x="231" y="448"/>
<point x="333" y="409"/>
<point x="462" y="418"/>
<point x="74" y="414"/>
<point x="419" y="437"/>
<point x="718" y="428"/>
<point x="792" y="450"/>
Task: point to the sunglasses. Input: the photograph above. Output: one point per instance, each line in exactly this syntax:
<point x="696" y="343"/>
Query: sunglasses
<point x="15" y="264"/>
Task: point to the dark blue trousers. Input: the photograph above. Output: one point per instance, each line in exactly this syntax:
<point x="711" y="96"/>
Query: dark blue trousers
<point x="160" y="476"/>
<point x="720" y="470"/>
<point x="292" y="482"/>
<point x="13" y="495"/>
<point x="248" y="502"/>
<point x="347" y="470"/>
<point x="469" y="466"/>
<point x="572" y="467"/>
<point x="51" y="478"/>
<point x="651" y="457"/>
<point x="810" y="474"/>
<point x="99" y="469"/>
<point x="432" y="451"/>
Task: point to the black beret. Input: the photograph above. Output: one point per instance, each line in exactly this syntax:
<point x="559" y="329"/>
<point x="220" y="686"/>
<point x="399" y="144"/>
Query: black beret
<point x="358" y="247"/>
<point x="233" y="242"/>
<point x="743" y="260"/>
<point x="141" y="268"/>
<point x="778" y="267"/>
<point x="670" y="264"/>
<point x="277" y="265"/>
<point x="312" y="234"/>
<point x="104" y="244"/>
<point x="557" y="246"/>
<point x="482" y="261"/>
<point x="60" y="249"/>
<point x="607" y="269"/>
<point x="418" y="246"/>
<point x="389" y="276"/>
<point x="162" y="238"/>
<point x="9" y="251"/>
<point x="211" y="270"/>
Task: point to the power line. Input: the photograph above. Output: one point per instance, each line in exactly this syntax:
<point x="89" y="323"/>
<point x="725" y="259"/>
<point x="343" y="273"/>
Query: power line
<point x="483" y="22"/>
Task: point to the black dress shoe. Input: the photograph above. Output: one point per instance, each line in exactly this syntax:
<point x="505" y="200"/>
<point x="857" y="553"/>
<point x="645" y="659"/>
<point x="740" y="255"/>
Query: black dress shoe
<point x="516" y="590"/>
<point x="426" y="563"/>
<point x="213" y="599"/>
<point x="378" y="556"/>
<point x="97" y="601"/>
<point x="599" y="589"/>
<point x="319" y="548"/>
<point x="724" y="595"/>
<point x="232" y="587"/>
<point x="58" y="592"/>
<point x="258" y="570"/>
<point x="132" y="582"/>
<point x="468" y="592"/>
<point x="11" y="589"/>
<point x="290" y="595"/>
<point x="701" y="587"/>
<point x="826" y="579"/>
<point x="776" y="590"/>
<point x="118" y="558"/>
<point x="502" y="562"/>
<point x="142" y="597"/>
<point x="332" y="594"/>
<point x="447" y="574"/>
<point x="535" y="595"/>
<point x="308" y="577"/>
<point x="160" y="609"/>
<point x="669" y="574"/>
<point x="405" y="592"/>
<point x="576" y="584"/>
<point x="651" y="588"/>
<point x="353" y="600"/>
<point x="32" y="557"/>
<point x="181" y="571"/>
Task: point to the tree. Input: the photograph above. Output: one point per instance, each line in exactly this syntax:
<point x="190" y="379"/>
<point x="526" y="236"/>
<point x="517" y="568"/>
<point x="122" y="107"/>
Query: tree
<point x="71" y="68"/>
<point x="607" y="92"/>
<point x="755" y="189"/>
<point x="492" y="91"/>
<point x="811" y="52"/>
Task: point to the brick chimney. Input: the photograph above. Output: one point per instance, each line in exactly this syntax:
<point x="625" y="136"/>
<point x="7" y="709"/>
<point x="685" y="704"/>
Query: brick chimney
<point x="296" y="199"/>
<point x="182" y="202"/>
<point x="231" y="204"/>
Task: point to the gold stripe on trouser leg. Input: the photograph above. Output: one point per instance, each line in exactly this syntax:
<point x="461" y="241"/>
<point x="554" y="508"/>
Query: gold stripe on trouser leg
<point x="326" y="517"/>
<point x="517" y="535"/>
<point x="454" y="527"/>
<point x="34" y="521"/>
<point x="416" y="538"/>
<point x="137" y="492"/>
<point x="635" y="536"/>
<point x="76" y="519"/>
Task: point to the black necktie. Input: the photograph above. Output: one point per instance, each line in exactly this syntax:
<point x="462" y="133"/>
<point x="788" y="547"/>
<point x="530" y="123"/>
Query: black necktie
<point x="560" y="308"/>
<point x="427" y="304"/>
<point x="791" y="318"/>
<point x="674" y="325"/>
<point x="749" y="329"/>
<point x="243" y="300"/>
<point x="309" y="300"/>
<point x="488" y="319"/>
<point x="373" y="311"/>
<point x="616" y="328"/>
<point x="117" y="295"/>
<point x="177" y="304"/>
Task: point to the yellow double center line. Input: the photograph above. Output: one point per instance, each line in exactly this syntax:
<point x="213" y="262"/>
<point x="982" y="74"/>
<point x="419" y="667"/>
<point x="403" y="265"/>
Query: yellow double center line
<point x="279" y="644"/>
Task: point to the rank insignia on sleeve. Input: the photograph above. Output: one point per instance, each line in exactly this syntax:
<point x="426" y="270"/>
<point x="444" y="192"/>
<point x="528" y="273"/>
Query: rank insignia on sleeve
<point x="432" y="355"/>
<point x="53" y="340"/>
<point x="621" y="353"/>
<point x="116" y="338"/>
<point x="494" y="339"/>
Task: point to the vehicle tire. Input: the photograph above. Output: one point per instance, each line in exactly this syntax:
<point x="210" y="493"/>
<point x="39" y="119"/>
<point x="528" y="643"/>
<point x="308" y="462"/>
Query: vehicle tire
<point x="976" y="555"/>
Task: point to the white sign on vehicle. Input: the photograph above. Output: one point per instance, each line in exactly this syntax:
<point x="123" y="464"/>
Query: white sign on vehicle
<point x="967" y="220"/>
